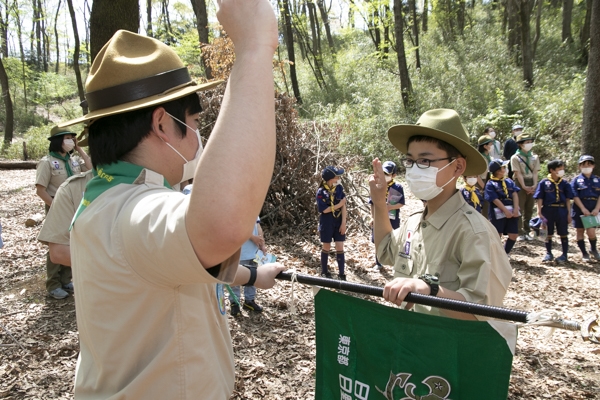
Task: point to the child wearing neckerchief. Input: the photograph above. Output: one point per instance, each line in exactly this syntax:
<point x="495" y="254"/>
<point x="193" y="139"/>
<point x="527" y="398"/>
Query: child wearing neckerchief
<point x="586" y="192"/>
<point x="331" y="202"/>
<point x="501" y="192"/>
<point x="471" y="193"/>
<point x="553" y="196"/>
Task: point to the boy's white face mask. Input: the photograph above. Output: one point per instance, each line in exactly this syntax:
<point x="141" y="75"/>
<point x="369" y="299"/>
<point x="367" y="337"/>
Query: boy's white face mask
<point x="189" y="167"/>
<point x="471" y="181"/>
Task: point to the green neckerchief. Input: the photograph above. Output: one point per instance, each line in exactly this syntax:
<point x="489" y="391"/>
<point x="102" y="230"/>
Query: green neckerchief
<point x="65" y="159"/>
<point x="527" y="155"/>
<point x="487" y="157"/>
<point x="106" y="177"/>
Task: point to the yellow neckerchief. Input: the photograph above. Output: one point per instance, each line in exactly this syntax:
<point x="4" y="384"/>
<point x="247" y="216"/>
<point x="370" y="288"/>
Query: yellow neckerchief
<point x="492" y="177"/>
<point x="474" y="198"/>
<point x="331" y="199"/>
<point x="389" y="185"/>
<point x="555" y="186"/>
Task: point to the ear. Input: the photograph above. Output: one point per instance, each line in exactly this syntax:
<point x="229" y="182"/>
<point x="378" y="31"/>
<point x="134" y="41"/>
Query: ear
<point x="160" y="122"/>
<point x="461" y="166"/>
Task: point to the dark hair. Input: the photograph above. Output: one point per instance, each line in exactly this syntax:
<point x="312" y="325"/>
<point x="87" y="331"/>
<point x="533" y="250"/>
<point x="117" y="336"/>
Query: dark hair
<point x="486" y="130"/>
<point x="554" y="164"/>
<point x="480" y="147"/>
<point x="56" y="144"/>
<point x="450" y="150"/>
<point x="112" y="138"/>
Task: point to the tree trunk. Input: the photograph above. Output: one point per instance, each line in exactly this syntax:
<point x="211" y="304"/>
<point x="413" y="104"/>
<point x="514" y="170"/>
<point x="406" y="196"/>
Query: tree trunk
<point x="585" y="32"/>
<point x="4" y="32"/>
<point x="8" y="105"/>
<point x="460" y="19"/>
<point x="166" y="21"/>
<point x="566" y="21"/>
<point x="325" y="19"/>
<point x="45" y="40"/>
<point x="199" y="7"/>
<point x="386" y="31"/>
<point x="590" y="138"/>
<point x="288" y="36"/>
<point x="22" y="51"/>
<point x="314" y="28"/>
<point x="513" y="25"/>
<point x="424" y="15"/>
<point x="526" y="48"/>
<point x="538" y="25"/>
<point x="405" y="85"/>
<point x="56" y="38"/>
<point x="107" y="17"/>
<point x="149" y="15"/>
<point x="412" y="6"/>
<point x="80" y="89"/>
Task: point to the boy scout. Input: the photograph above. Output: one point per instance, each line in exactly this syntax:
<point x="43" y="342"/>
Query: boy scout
<point x="448" y="250"/>
<point x="149" y="262"/>
<point x="586" y="192"/>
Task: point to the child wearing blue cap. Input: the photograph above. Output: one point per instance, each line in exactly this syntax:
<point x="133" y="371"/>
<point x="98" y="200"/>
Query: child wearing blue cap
<point x="586" y="192"/>
<point x="553" y="196"/>
<point x="471" y="193"/>
<point x="331" y="202"/>
<point x="501" y="192"/>
<point x="395" y="201"/>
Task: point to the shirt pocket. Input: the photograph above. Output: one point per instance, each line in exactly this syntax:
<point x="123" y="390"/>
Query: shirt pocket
<point x="58" y="172"/>
<point x="404" y="266"/>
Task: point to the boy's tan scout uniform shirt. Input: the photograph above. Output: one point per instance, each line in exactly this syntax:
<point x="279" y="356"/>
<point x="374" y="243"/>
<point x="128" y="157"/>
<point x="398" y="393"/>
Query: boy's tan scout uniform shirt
<point x="152" y="321"/>
<point x="67" y="199"/>
<point x="455" y="242"/>
<point x="51" y="172"/>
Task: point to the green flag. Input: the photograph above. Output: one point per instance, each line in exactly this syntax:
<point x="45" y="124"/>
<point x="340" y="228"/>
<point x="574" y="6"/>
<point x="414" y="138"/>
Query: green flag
<point x="369" y="351"/>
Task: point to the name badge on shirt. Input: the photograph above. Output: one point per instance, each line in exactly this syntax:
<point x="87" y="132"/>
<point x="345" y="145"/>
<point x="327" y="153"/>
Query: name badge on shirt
<point x="406" y="253"/>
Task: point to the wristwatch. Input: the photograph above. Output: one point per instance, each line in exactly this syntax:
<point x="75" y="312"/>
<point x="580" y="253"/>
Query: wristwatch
<point x="433" y="281"/>
<point x="252" y="276"/>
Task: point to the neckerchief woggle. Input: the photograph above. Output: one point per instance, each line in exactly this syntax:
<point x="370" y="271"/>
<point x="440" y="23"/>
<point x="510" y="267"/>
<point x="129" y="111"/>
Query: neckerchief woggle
<point x="107" y="177"/>
<point x="332" y="199"/>
<point x="474" y="197"/>
<point x="66" y="161"/>
<point x="555" y="186"/>
<point x="503" y="184"/>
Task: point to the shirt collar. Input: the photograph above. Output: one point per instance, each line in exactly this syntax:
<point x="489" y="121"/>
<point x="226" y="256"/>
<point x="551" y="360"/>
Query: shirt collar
<point x="447" y="210"/>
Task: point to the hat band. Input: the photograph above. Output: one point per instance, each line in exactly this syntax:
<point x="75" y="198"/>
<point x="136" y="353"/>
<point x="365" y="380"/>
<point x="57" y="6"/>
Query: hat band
<point x="136" y="90"/>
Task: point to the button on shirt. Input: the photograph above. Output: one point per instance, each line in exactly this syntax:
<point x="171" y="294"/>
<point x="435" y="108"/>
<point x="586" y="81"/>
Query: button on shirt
<point x="546" y="191"/>
<point x="586" y="188"/>
<point x="455" y="242"/>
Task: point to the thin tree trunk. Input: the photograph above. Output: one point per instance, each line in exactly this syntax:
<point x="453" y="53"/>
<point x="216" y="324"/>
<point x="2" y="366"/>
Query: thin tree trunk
<point x="8" y="105"/>
<point x="538" y="25"/>
<point x="80" y="89"/>
<point x="514" y="31"/>
<point x="4" y="32"/>
<point x="412" y="6"/>
<point x="325" y="19"/>
<point x="385" y="43"/>
<point x="107" y="17"/>
<point x="45" y="40"/>
<point x="460" y="20"/>
<point x="314" y="27"/>
<point x="199" y="7"/>
<point x="425" y="14"/>
<point x="405" y="85"/>
<point x="590" y="137"/>
<point x="149" y="16"/>
<point x="526" y="48"/>
<point x="38" y="33"/>
<point x="56" y="37"/>
<point x="566" y="21"/>
<point x="585" y="32"/>
<point x="288" y="35"/>
<point x="17" y="15"/>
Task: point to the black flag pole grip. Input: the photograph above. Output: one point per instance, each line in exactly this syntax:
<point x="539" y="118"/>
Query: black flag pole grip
<point x="589" y="329"/>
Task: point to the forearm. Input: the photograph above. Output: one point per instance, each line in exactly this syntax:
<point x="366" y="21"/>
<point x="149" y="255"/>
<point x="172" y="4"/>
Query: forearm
<point x="43" y="194"/>
<point x="579" y="204"/>
<point x="241" y="277"/>
<point x="500" y="205"/>
<point x="85" y="157"/>
<point x="60" y="254"/>
<point x="450" y="294"/>
<point x="381" y="223"/>
<point x="539" y="206"/>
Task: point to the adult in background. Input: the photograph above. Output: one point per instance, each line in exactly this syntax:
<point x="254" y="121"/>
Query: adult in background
<point x="485" y="144"/>
<point x="511" y="146"/>
<point x="525" y="165"/>
<point x="149" y="262"/>
<point x="52" y="171"/>
<point x="496" y="149"/>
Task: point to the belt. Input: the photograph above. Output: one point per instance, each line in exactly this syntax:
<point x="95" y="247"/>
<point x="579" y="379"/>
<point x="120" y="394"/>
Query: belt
<point x="590" y="198"/>
<point x="556" y="205"/>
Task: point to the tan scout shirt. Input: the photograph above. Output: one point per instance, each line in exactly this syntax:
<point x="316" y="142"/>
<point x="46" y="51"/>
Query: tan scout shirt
<point x="455" y="242"/>
<point x="519" y="166"/>
<point x="151" y="318"/>
<point x="67" y="199"/>
<point x="51" y="172"/>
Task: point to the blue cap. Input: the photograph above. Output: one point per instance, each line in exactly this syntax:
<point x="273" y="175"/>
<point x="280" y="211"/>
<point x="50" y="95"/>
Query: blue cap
<point x="586" y="158"/>
<point x="331" y="172"/>
<point x="496" y="164"/>
<point x="389" y="167"/>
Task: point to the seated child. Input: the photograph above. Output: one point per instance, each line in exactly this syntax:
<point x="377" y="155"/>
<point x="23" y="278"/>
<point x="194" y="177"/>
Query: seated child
<point x="501" y="192"/>
<point x="553" y="196"/>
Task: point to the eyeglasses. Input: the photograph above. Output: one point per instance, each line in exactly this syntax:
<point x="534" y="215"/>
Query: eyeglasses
<point x="422" y="163"/>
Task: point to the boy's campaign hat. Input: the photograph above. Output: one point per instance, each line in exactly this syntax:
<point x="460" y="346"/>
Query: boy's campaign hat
<point x="524" y="137"/>
<point x="133" y="72"/>
<point x="56" y="131"/>
<point x="442" y="124"/>
<point x="585" y="158"/>
<point x="485" y="139"/>
<point x="496" y="164"/>
<point x="331" y="172"/>
<point x="389" y="168"/>
<point x="517" y="126"/>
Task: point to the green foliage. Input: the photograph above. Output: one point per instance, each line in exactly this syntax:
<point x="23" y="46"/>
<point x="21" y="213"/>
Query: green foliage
<point x="37" y="144"/>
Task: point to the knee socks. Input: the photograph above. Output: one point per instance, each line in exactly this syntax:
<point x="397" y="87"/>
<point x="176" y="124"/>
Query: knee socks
<point x="564" y="241"/>
<point x="549" y="246"/>
<point x="593" y="244"/>
<point x="508" y="245"/>
<point x="341" y="260"/>
<point x="324" y="257"/>
<point x="581" y="245"/>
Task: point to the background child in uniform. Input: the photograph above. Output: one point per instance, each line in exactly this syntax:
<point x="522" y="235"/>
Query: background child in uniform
<point x="553" y="195"/>
<point x="331" y="202"/>
<point x="395" y="201"/>
<point x="471" y="192"/>
<point x="525" y="166"/>
<point x="501" y="193"/>
<point x="586" y="192"/>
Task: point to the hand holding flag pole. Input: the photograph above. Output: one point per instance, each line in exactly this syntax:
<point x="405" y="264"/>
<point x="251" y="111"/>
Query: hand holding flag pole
<point x="589" y="329"/>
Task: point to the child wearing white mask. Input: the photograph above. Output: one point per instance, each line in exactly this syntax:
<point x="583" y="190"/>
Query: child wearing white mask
<point x="525" y="166"/>
<point x="471" y="193"/>
<point x="586" y="192"/>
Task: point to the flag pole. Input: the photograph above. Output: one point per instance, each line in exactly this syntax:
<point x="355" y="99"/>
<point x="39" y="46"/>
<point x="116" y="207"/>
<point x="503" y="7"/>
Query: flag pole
<point x="590" y="330"/>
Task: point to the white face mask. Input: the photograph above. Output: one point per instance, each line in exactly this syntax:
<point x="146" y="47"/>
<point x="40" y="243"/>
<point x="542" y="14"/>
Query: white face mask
<point x="492" y="134"/>
<point x="527" y="146"/>
<point x="388" y="178"/>
<point x="423" y="182"/>
<point x="561" y="173"/>
<point x="471" y="181"/>
<point x="587" y="170"/>
<point x="68" y="145"/>
<point x="189" y="168"/>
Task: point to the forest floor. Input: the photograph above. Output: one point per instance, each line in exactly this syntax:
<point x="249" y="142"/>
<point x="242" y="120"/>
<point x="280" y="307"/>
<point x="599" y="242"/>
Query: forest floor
<point x="275" y="350"/>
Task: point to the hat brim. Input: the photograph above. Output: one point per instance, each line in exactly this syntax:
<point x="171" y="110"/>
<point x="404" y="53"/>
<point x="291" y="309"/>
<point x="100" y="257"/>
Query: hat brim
<point x="526" y="139"/>
<point x="62" y="134"/>
<point x="399" y="135"/>
<point x="143" y="103"/>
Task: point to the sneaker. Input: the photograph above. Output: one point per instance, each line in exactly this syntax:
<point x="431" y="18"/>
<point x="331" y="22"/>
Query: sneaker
<point x="520" y="238"/>
<point x="586" y="257"/>
<point x="252" y="306"/>
<point x="561" y="259"/>
<point x="69" y="287"/>
<point x="528" y="237"/>
<point x="595" y="254"/>
<point x="342" y="277"/>
<point x="326" y="275"/>
<point x="549" y="257"/>
<point x="59" y="293"/>
<point x="235" y="310"/>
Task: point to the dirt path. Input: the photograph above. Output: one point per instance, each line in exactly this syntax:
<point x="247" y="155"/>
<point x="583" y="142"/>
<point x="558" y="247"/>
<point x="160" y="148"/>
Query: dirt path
<point x="275" y="351"/>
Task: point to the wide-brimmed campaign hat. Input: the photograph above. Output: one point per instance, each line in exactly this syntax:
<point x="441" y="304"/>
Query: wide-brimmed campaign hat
<point x="442" y="124"/>
<point x="485" y="139"/>
<point x="523" y="137"/>
<point x="331" y="172"/>
<point x="57" y="131"/>
<point x="132" y="72"/>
